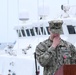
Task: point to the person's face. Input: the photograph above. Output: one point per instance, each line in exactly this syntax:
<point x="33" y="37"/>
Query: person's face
<point x="55" y="35"/>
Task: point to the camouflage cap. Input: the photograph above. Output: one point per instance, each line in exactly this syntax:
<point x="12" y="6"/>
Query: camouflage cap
<point x="56" y="26"/>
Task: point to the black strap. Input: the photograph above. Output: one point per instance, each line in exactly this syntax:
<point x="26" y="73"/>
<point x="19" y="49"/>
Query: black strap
<point x="35" y="63"/>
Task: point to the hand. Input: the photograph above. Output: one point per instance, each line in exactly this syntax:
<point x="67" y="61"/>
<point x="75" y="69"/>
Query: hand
<point x="56" y="41"/>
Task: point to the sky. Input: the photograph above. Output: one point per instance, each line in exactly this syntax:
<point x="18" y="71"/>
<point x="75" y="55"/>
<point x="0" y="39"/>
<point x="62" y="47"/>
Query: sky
<point x="10" y="10"/>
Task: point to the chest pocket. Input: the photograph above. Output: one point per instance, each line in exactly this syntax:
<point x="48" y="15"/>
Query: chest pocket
<point x="65" y="51"/>
<point x="66" y="54"/>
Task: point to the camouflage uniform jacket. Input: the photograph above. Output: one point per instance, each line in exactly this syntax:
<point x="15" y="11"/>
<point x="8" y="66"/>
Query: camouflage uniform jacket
<point x="52" y="58"/>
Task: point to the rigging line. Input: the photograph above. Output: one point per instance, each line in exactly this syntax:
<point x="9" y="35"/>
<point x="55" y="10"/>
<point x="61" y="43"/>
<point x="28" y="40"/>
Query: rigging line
<point x="38" y="9"/>
<point x="42" y="6"/>
<point x="7" y="19"/>
<point x="38" y="19"/>
<point x="67" y="1"/>
<point x="43" y="9"/>
<point x="18" y="21"/>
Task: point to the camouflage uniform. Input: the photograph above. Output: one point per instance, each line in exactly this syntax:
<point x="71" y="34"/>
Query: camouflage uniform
<point x="52" y="58"/>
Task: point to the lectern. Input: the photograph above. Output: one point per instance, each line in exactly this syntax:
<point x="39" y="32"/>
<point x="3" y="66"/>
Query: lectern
<point x="66" y="70"/>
